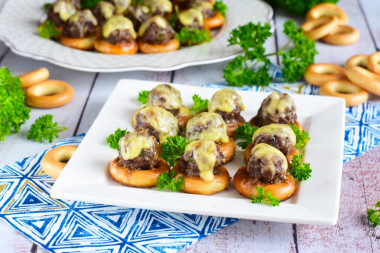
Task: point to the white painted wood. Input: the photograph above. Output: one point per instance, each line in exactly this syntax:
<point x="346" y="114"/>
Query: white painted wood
<point x="371" y="9"/>
<point x="13" y="241"/>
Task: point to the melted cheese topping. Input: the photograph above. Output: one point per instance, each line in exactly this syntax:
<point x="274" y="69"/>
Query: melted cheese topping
<point x="165" y="96"/>
<point x="202" y="5"/>
<point x="187" y="17"/>
<point x="133" y="144"/>
<point x="278" y="104"/>
<point x="204" y="153"/>
<point x="214" y="128"/>
<point x="88" y="17"/>
<point x="118" y="22"/>
<point x="281" y="130"/>
<point x="163" y="5"/>
<point x="184" y="111"/>
<point x="224" y="101"/>
<point x="121" y="5"/>
<point x="106" y="9"/>
<point x="160" y="119"/>
<point x="264" y="150"/>
<point x="64" y="8"/>
<point x="158" y="20"/>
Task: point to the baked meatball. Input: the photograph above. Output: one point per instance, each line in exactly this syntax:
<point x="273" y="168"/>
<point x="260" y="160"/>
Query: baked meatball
<point x="156" y="31"/>
<point x="267" y="164"/>
<point x="159" y="7"/>
<point x="60" y="11"/>
<point x="81" y="25"/>
<point x="104" y="11"/>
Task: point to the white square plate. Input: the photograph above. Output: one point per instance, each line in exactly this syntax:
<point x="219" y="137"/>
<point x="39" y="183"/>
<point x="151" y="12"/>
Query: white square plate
<point x="316" y="201"/>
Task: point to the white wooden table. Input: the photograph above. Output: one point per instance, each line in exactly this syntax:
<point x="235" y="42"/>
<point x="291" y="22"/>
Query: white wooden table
<point x="361" y="176"/>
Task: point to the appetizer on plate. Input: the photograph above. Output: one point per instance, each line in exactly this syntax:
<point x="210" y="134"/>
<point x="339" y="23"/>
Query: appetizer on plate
<point x="103" y="11"/>
<point x="139" y="163"/>
<point x="59" y="12"/>
<point x="212" y="19"/>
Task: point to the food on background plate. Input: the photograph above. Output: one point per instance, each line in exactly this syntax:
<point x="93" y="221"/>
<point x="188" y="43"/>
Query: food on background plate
<point x="210" y="125"/>
<point x="60" y="12"/>
<point x="228" y="104"/>
<point x="55" y="160"/>
<point x="212" y="19"/>
<point x="139" y="163"/>
<point x="201" y="167"/>
<point x="103" y="11"/>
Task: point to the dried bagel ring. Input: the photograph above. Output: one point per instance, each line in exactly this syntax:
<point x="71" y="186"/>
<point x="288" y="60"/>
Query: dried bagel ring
<point x="34" y="77"/>
<point x="49" y="94"/>
<point x="55" y="159"/>
<point x="342" y="35"/>
<point x="374" y="62"/>
<point x="364" y="78"/>
<point x="318" y="74"/>
<point x="360" y="60"/>
<point x="344" y="88"/>
<point x="327" y="9"/>
<point x="318" y="28"/>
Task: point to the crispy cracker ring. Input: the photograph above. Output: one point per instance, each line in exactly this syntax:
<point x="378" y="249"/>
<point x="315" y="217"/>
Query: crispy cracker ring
<point x="34" y="77"/>
<point x="374" y="62"/>
<point x="247" y="185"/>
<point x="49" y="94"/>
<point x="318" y="28"/>
<point x="342" y="35"/>
<point x="79" y="43"/>
<point x="327" y="9"/>
<point x="318" y="74"/>
<point x="104" y="47"/>
<point x="214" y="22"/>
<point x="147" y="48"/>
<point x="197" y="185"/>
<point x="137" y="178"/>
<point x="228" y="150"/>
<point x="344" y="88"/>
<point x="360" y="60"/>
<point x="55" y="159"/>
<point x="231" y="126"/>
<point x="364" y="78"/>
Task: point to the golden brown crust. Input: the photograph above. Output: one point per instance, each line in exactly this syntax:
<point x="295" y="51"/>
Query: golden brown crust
<point x="137" y="178"/>
<point x="34" y="77"/>
<point x="214" y="22"/>
<point x="247" y="185"/>
<point x="318" y="28"/>
<point x="228" y="149"/>
<point x="55" y="159"/>
<point x="374" y="62"/>
<point x="318" y="74"/>
<point x="342" y="35"/>
<point x="122" y="48"/>
<point x="147" y="48"/>
<point x="327" y="9"/>
<point x="197" y="185"/>
<point x="79" y="43"/>
<point x="231" y="127"/>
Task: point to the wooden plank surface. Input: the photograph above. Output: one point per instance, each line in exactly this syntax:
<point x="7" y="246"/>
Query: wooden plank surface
<point x="371" y="10"/>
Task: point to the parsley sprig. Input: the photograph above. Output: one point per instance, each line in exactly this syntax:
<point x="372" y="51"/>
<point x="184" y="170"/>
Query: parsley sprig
<point x="245" y="132"/>
<point x="302" y="137"/>
<point x="199" y="104"/>
<point x="251" y="38"/>
<point x="299" y="170"/>
<point x="220" y="7"/>
<point x="88" y="4"/>
<point x="13" y="112"/>
<point x="188" y="37"/>
<point x="265" y="197"/>
<point x="48" y="30"/>
<point x="173" y="149"/>
<point x="143" y="97"/>
<point x="113" y="139"/>
<point x="374" y="215"/>
<point x="166" y="180"/>
<point x="44" y="128"/>
<point x="296" y="6"/>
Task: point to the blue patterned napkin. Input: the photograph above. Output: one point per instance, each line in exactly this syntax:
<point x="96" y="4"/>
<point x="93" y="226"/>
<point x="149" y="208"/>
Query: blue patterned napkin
<point x="72" y="226"/>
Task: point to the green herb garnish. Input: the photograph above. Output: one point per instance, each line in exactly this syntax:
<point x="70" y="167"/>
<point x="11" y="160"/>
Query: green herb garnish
<point x="48" y="30"/>
<point x="166" y="180"/>
<point x="374" y="215"/>
<point x="220" y="7"/>
<point x="302" y="137"/>
<point x="44" y="128"/>
<point x="300" y="171"/>
<point x="143" y="97"/>
<point x="265" y="197"/>
<point x="298" y="7"/>
<point x="88" y="4"/>
<point x="190" y="37"/>
<point x="113" y="139"/>
<point x="173" y="148"/>
<point x="199" y="104"/>
<point x="245" y="132"/>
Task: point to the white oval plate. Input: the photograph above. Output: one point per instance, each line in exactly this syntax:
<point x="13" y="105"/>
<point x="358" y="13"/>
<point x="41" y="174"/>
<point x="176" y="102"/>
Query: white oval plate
<point x="19" y="20"/>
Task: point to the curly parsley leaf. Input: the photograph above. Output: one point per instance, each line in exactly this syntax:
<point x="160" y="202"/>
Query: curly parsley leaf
<point x="113" y="139"/>
<point x="48" y="30"/>
<point x="251" y="38"/>
<point x="44" y="128"/>
<point x="296" y="6"/>
<point x="47" y="6"/>
<point x="190" y="37"/>
<point x="300" y="171"/>
<point x="166" y="180"/>
<point x="173" y="149"/>
<point x="88" y="4"/>
<point x="374" y="215"/>
<point x="302" y="137"/>
<point x="199" y="104"/>
<point x="220" y="7"/>
<point x="245" y="132"/>
<point x="265" y="197"/>
<point x="143" y="97"/>
<point x="13" y="112"/>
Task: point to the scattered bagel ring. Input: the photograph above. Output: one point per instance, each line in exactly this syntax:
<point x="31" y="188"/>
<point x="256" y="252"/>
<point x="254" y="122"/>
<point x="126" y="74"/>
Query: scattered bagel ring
<point x="374" y="62"/>
<point x="34" y="77"/>
<point x="342" y="35"/>
<point x="360" y="60"/>
<point x="364" y="78"/>
<point x="344" y="88"/>
<point x="49" y="94"/>
<point x="318" y="28"/>
<point x="55" y="159"/>
<point x="327" y="9"/>
<point x="318" y="74"/>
